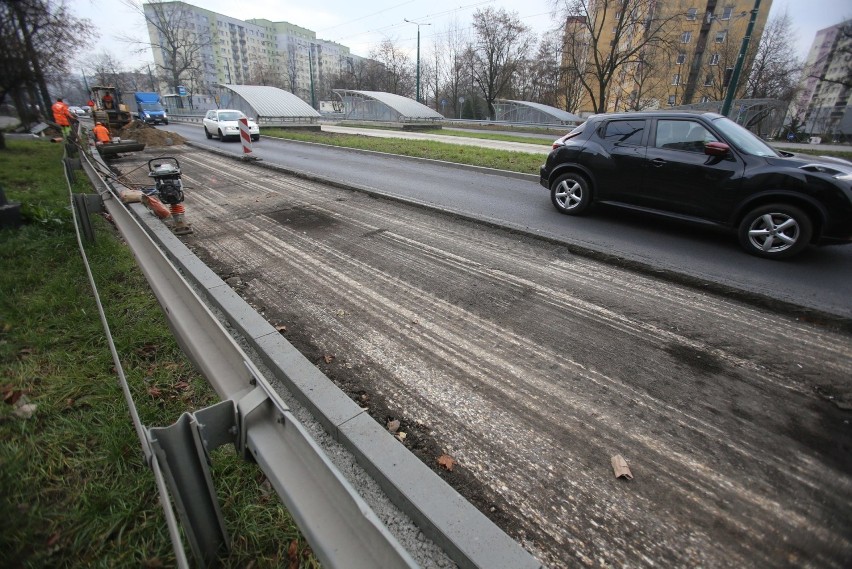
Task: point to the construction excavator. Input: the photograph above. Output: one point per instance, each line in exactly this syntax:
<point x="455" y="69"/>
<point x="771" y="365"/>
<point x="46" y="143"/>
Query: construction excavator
<point x="109" y="109"/>
<point x="114" y="114"/>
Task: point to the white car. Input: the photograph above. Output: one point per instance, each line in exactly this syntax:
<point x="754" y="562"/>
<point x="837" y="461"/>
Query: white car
<point x="77" y="111"/>
<point x="224" y="123"/>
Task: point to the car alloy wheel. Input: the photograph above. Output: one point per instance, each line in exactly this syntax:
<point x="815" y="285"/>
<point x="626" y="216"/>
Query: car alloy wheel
<point x="570" y="194"/>
<point x="776" y="231"/>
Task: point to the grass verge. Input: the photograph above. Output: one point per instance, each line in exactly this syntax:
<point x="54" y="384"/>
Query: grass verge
<point x="76" y="489"/>
<point x="473" y="155"/>
<point x="544" y="140"/>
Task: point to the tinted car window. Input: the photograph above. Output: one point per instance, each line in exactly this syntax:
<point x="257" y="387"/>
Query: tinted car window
<point x="624" y="132"/>
<point x="690" y="136"/>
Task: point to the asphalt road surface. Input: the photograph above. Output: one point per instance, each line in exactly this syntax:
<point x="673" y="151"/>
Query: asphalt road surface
<point x="532" y="367"/>
<point x="820" y="279"/>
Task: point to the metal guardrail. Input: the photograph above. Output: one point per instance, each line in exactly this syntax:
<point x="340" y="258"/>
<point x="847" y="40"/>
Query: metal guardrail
<point x="253" y="418"/>
<point x="341" y="528"/>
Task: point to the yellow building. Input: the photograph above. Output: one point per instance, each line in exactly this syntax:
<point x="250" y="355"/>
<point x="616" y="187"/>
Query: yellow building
<point x="665" y="52"/>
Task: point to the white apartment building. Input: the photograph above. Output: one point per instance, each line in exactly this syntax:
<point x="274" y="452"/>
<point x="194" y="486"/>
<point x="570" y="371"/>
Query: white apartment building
<point x="251" y="52"/>
<point x="824" y="101"/>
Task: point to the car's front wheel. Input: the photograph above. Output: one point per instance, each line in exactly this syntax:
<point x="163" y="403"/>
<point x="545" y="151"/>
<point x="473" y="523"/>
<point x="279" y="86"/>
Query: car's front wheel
<point x="775" y="231"/>
<point x="571" y="194"/>
<point x="221" y="136"/>
<point x="206" y="133"/>
<point x="255" y="137"/>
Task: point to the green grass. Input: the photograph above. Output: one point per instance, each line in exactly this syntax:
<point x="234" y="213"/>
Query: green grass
<point x="524" y="162"/>
<point x="818" y="152"/>
<point x="76" y="489"/>
<point x="545" y="141"/>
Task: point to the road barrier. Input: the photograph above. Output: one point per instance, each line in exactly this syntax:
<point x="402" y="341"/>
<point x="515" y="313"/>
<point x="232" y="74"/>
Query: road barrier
<point x="341" y="528"/>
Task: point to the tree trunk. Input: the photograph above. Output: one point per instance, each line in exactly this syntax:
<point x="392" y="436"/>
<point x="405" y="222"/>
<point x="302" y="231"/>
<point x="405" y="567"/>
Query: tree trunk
<point x="38" y="75"/>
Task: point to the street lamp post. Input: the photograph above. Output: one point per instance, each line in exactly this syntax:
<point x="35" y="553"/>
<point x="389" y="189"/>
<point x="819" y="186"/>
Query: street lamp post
<point x="418" y="53"/>
<point x="311" y="71"/>
<point x="735" y="77"/>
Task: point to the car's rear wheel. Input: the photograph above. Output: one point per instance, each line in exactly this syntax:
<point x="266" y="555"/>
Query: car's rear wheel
<point x="775" y="231"/>
<point x="571" y="194"/>
<point x="206" y="133"/>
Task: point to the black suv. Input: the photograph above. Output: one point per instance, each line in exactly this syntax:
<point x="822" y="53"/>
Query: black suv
<point x="703" y="167"/>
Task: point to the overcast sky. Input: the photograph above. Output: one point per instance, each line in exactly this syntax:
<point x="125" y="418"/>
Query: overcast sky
<point x="362" y="25"/>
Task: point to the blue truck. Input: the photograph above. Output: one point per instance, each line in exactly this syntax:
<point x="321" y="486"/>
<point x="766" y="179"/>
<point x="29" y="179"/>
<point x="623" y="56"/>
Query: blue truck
<point x="148" y="107"/>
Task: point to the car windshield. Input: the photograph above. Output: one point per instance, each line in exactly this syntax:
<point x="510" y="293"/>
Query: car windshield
<point x="232" y="116"/>
<point x="743" y="139"/>
<point x="151" y="106"/>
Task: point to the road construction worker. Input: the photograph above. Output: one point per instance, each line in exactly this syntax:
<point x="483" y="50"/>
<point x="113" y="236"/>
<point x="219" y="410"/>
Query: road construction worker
<point x="107" y="101"/>
<point x="101" y="134"/>
<point x="62" y="116"/>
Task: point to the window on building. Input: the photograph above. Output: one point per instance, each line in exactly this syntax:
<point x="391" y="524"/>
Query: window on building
<point x="625" y="132"/>
<point x="685" y="37"/>
<point x="681" y="58"/>
<point x="708" y="81"/>
<point x="671" y="100"/>
<point x="676" y="79"/>
<point x="714" y="59"/>
<point x="720" y="36"/>
<point x="726" y="12"/>
<point x="705" y="99"/>
<point x="691" y="13"/>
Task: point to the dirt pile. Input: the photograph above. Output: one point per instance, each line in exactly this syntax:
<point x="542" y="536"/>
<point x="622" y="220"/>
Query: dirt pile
<point x="150" y="136"/>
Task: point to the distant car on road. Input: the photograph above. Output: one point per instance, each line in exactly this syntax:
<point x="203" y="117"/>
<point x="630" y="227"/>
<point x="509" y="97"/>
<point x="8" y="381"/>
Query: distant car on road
<point x="224" y="123"/>
<point x="79" y="111"/>
<point x="705" y="168"/>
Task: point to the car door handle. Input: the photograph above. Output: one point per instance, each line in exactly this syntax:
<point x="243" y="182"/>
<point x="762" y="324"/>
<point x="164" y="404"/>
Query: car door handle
<point x="657" y="162"/>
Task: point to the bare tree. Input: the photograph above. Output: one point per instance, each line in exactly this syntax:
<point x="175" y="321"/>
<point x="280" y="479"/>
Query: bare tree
<point x="176" y="36"/>
<point x="499" y="45"/>
<point x="39" y="38"/>
<point x="398" y="68"/>
<point x="646" y="80"/>
<point x="453" y="68"/>
<point x="718" y="68"/>
<point x="548" y="71"/>
<point x="775" y="69"/>
<point x="615" y="34"/>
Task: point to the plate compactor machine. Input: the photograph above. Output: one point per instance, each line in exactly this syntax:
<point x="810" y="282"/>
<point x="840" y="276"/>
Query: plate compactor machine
<point x="168" y="187"/>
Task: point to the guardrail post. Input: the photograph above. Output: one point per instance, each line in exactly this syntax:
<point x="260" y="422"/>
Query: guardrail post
<point x="182" y="451"/>
<point x="84" y="206"/>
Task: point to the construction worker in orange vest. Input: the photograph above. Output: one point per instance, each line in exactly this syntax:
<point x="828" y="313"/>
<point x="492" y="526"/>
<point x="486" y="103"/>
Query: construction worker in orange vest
<point x="62" y="116"/>
<point x="101" y="134"/>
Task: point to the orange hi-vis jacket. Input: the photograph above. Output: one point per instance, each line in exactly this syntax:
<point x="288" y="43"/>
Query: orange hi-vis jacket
<point x="61" y="114"/>
<point x="101" y="133"/>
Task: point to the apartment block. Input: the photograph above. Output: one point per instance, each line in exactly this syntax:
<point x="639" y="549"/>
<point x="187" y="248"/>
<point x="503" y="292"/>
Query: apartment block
<point x="690" y="60"/>
<point x="824" y="105"/>
<point x="250" y="52"/>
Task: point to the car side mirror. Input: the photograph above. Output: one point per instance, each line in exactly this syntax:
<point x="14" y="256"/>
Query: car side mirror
<point x="718" y="149"/>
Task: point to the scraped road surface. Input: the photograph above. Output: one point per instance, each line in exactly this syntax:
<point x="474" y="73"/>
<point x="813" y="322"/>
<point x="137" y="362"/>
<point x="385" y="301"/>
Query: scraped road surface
<point x="532" y="367"/>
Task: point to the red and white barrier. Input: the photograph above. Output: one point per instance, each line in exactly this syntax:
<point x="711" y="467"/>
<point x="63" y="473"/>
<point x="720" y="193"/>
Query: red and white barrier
<point x="245" y="136"/>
